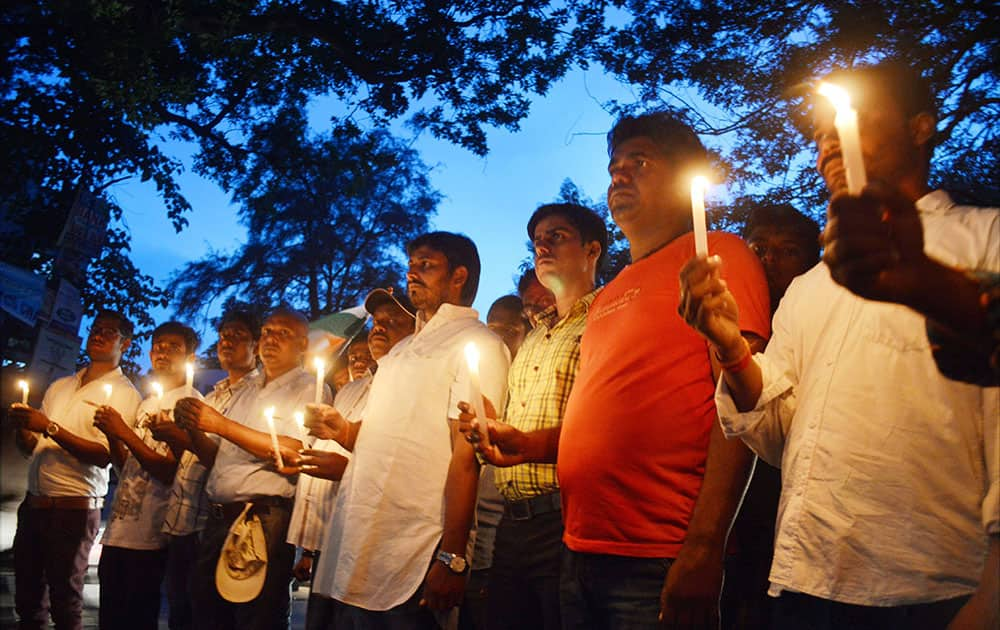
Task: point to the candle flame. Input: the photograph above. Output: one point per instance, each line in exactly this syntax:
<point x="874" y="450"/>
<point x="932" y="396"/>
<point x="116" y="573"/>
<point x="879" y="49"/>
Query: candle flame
<point x="699" y="183"/>
<point x="300" y="419"/>
<point x="22" y="385"/>
<point x="107" y="391"/>
<point x="269" y="415"/>
<point x="838" y="96"/>
<point x="157" y="390"/>
<point x="472" y="355"/>
<point x="319" y="364"/>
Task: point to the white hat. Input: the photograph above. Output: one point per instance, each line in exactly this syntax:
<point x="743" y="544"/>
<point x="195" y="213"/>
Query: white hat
<point x="242" y="566"/>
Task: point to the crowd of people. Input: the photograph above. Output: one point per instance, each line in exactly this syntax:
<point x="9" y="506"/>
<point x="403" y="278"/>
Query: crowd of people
<point x="749" y="439"/>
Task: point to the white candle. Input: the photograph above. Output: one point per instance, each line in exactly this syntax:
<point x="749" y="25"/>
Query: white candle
<point x="475" y="388"/>
<point x="300" y="421"/>
<point x="107" y="392"/>
<point x="23" y="384"/>
<point x="158" y="392"/>
<point x="269" y="416"/>
<point x="189" y="376"/>
<point x="698" y="186"/>
<point x="846" y="122"/>
<point x="320" y="365"/>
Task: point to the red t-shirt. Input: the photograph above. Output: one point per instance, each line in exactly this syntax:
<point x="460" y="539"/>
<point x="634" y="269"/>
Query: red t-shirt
<point x="635" y="434"/>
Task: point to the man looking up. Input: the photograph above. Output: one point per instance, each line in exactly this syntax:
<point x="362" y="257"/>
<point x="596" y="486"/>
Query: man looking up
<point x="134" y="555"/>
<point x="242" y="473"/>
<point x="570" y="242"/>
<point x="649" y="484"/>
<point x="890" y="473"/>
<point x="67" y="478"/>
<point x="187" y="508"/>
<point x="410" y="481"/>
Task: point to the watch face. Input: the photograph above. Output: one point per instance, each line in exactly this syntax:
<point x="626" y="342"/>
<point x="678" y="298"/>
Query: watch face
<point x="458" y="564"/>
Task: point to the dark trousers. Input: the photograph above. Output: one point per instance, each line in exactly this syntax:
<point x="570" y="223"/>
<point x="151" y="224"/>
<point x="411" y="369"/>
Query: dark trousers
<point x="271" y="610"/>
<point x="523" y="586"/>
<point x="51" y="548"/>
<point x="796" y="611"/>
<point x="600" y="591"/>
<point x="130" y="587"/>
<point x="407" y="616"/>
<point x="182" y="554"/>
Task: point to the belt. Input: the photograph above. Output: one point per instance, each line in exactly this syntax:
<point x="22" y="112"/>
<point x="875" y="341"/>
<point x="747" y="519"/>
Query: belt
<point x="228" y="511"/>
<point x="36" y="502"/>
<point x="535" y="506"/>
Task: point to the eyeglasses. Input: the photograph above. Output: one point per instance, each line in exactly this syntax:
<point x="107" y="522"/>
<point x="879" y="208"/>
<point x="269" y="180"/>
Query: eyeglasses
<point x="105" y="331"/>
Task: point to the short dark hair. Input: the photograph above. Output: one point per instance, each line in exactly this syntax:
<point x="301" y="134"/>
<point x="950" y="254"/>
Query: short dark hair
<point x="511" y="303"/>
<point x="672" y="136"/>
<point x="889" y="79"/>
<point x="527" y="278"/>
<point x="587" y="222"/>
<point x="361" y="337"/>
<point x="785" y="217"/>
<point x="242" y="316"/>
<point x="125" y="325"/>
<point x="459" y="251"/>
<point x="191" y="339"/>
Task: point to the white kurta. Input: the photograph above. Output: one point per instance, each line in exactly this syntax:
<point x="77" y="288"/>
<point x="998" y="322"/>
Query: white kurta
<point x="390" y="510"/>
<point x="890" y="478"/>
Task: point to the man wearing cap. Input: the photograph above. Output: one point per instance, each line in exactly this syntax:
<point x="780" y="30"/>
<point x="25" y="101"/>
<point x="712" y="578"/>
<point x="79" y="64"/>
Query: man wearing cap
<point x="243" y="476"/>
<point x="67" y="478"/>
<point x="410" y="482"/>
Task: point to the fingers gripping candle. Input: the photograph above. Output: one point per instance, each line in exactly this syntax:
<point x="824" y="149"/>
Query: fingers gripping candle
<point x="846" y="122"/>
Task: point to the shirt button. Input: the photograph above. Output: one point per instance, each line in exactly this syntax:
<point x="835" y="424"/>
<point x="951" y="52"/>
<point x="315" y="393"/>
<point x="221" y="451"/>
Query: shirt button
<point x="548" y="336"/>
<point x="536" y="368"/>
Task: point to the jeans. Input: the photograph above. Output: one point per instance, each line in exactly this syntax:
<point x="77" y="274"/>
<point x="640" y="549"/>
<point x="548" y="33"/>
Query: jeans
<point x="271" y="610"/>
<point x="130" y="587"/>
<point x="797" y="611"/>
<point x="523" y="588"/>
<point x="600" y="591"/>
<point x="51" y="551"/>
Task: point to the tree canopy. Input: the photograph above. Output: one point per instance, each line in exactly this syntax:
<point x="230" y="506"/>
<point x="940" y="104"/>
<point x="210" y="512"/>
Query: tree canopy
<point x="326" y="216"/>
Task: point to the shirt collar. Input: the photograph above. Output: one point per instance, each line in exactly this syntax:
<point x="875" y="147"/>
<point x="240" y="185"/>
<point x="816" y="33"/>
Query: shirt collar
<point x="224" y="385"/>
<point x="550" y="318"/>
<point x="445" y="313"/>
<point x="112" y="375"/>
<point x="935" y="202"/>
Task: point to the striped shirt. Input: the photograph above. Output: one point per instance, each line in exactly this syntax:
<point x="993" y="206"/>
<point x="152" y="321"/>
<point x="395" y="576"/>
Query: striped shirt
<point x="539" y="384"/>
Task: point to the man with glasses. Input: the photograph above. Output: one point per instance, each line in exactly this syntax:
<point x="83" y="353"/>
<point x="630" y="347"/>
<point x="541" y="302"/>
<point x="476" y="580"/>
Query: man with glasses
<point x="67" y="478"/>
<point x="242" y="473"/>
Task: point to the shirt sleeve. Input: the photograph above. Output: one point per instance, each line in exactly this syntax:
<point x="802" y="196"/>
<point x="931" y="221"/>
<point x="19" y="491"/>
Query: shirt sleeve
<point x="494" y="362"/>
<point x="991" y="446"/>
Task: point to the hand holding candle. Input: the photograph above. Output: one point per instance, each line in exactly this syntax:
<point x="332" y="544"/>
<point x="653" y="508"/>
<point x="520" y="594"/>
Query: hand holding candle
<point x="846" y="122"/>
<point x="189" y="376"/>
<point x="698" y="186"/>
<point x="475" y="388"/>
<point x="269" y="416"/>
<point x="320" y="365"/>
<point x="158" y="393"/>
<point x="23" y="386"/>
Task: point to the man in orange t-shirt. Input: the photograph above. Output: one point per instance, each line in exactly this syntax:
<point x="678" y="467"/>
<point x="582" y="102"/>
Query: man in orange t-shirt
<point x="649" y="484"/>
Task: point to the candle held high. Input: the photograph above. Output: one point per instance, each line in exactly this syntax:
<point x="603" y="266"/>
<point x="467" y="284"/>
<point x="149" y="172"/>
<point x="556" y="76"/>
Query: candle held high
<point x="846" y="122"/>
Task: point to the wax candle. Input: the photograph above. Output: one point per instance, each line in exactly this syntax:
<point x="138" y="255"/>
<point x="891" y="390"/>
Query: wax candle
<point x="107" y="392"/>
<point x="189" y="376"/>
<point x="300" y="421"/>
<point x="475" y="388"/>
<point x="846" y="122"/>
<point x="158" y="393"/>
<point x="320" y="365"/>
<point x="269" y="416"/>
<point x="698" y="186"/>
<point x="23" y="385"/>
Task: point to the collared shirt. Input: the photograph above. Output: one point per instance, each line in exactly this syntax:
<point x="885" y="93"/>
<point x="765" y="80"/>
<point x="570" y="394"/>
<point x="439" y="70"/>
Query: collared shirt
<point x="314" y="497"/>
<point x="140" y="504"/>
<point x="540" y="380"/>
<point x="53" y="471"/>
<point x="238" y="475"/>
<point x="187" y="509"/>
<point x="390" y="509"/>
<point x="889" y="470"/>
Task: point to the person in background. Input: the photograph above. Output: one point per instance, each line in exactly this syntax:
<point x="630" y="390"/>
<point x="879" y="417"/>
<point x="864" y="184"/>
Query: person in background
<point x="67" y="478"/>
<point x="787" y="243"/>
<point x="535" y="297"/>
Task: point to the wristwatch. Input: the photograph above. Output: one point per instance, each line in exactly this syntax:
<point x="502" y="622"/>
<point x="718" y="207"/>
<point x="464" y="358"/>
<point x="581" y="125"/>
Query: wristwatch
<point x="454" y="562"/>
<point x="52" y="429"/>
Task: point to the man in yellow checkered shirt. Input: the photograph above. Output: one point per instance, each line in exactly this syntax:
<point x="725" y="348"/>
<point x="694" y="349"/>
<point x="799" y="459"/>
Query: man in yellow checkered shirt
<point x="570" y="242"/>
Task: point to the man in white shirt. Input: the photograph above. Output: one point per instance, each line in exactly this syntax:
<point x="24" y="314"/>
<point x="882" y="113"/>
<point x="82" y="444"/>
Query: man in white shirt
<point x="67" y="478"/>
<point x="134" y="555"/>
<point x="242" y="473"/>
<point x="407" y="499"/>
<point x="187" y="508"/>
<point x="890" y="481"/>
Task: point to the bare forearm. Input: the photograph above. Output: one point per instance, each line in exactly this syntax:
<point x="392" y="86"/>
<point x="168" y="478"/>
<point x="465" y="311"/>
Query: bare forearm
<point x="26" y="441"/>
<point x="961" y="312"/>
<point x="542" y="446"/>
<point x="350" y="435"/>
<point x="727" y="470"/>
<point x="254" y="442"/>
<point x="87" y="451"/>
<point x="203" y="447"/>
<point x="983" y="609"/>
<point x="460" y="498"/>
<point x="161" y="467"/>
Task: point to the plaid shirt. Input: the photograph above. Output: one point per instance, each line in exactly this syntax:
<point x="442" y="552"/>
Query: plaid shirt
<point x="187" y="509"/>
<point x="539" y="383"/>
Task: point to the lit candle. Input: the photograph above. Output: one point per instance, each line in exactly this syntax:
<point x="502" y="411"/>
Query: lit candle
<point x="107" y="392"/>
<point x="320" y="373"/>
<point x="698" y="186"/>
<point x="300" y="421"/>
<point x="23" y="384"/>
<point x="269" y="416"/>
<point x="158" y="392"/>
<point x="475" y="388"/>
<point x="846" y="122"/>
<point x="189" y="374"/>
